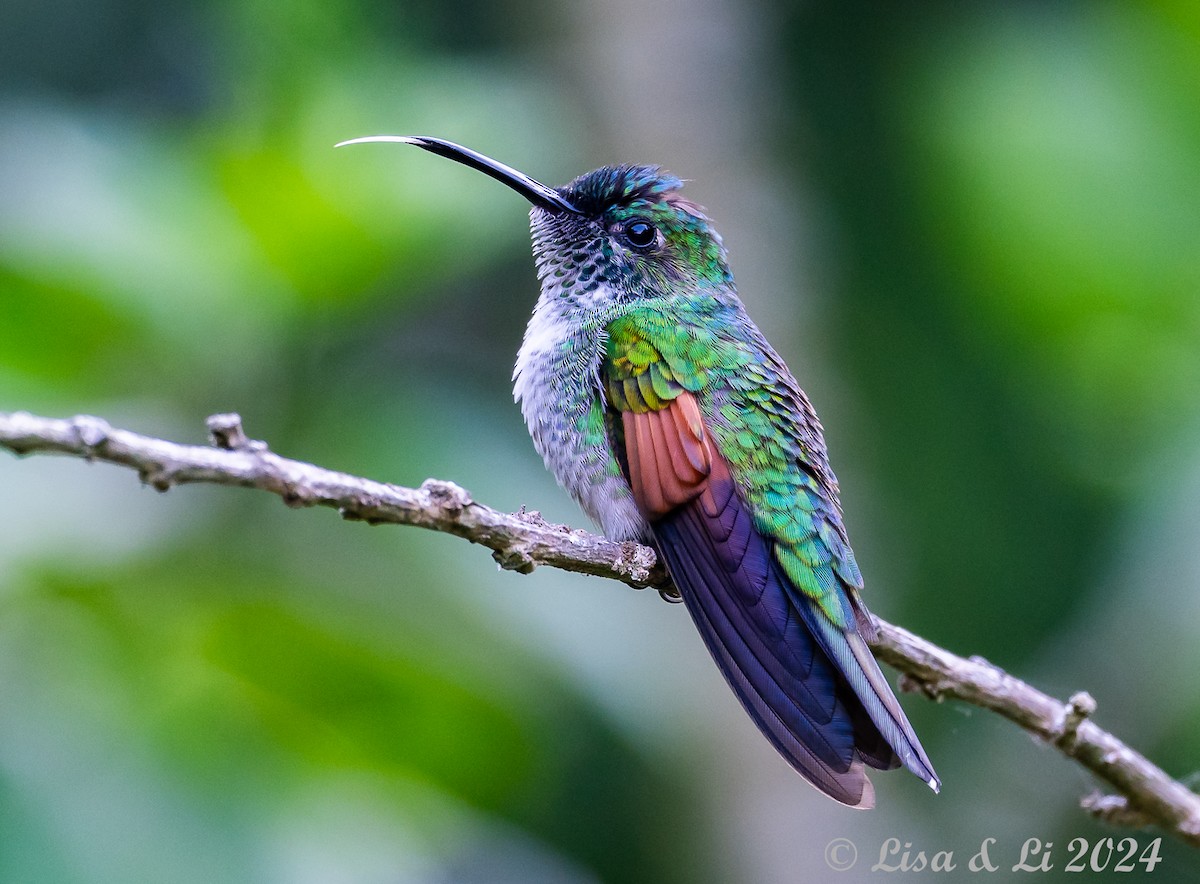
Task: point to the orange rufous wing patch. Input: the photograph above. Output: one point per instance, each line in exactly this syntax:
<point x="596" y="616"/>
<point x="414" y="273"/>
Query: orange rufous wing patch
<point x="668" y="453"/>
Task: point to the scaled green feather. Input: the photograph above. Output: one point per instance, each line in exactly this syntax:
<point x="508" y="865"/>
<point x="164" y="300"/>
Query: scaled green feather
<point x="762" y="424"/>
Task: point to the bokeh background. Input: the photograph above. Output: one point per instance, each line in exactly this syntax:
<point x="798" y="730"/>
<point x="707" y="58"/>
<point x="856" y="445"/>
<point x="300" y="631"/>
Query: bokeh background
<point x="972" y="229"/>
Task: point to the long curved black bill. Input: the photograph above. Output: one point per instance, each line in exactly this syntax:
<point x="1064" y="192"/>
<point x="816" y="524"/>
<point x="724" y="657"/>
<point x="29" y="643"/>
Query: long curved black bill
<point x="537" y="193"/>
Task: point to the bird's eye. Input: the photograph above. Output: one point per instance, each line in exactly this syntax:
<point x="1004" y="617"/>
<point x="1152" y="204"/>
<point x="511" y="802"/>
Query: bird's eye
<point x="641" y="234"/>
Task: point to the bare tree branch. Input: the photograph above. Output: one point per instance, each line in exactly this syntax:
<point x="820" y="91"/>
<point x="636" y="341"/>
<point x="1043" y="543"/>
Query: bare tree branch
<point x="1145" y="795"/>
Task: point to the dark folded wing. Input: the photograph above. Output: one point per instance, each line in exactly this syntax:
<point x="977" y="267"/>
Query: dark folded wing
<point x="741" y="602"/>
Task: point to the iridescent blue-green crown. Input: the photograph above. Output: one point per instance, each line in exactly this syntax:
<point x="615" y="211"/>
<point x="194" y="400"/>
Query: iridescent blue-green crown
<point x="623" y="185"/>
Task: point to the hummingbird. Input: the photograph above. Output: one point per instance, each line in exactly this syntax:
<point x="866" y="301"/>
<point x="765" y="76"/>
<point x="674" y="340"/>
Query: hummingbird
<point x="660" y="407"/>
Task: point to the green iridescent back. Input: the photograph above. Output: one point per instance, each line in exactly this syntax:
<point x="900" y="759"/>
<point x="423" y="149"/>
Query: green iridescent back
<point x="762" y="422"/>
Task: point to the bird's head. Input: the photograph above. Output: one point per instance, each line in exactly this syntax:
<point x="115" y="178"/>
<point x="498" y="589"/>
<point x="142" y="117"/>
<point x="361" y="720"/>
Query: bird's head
<point x="617" y="234"/>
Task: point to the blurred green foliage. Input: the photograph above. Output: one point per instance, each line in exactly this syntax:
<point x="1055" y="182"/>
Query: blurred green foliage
<point x="997" y="316"/>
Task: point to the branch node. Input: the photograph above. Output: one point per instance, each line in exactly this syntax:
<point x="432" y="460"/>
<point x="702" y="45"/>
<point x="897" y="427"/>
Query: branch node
<point x="1115" y="810"/>
<point x="514" y="558"/>
<point x="929" y="688"/>
<point x="1114" y="756"/>
<point x="535" y="518"/>
<point x="160" y="477"/>
<point x="297" y="496"/>
<point x="92" y="432"/>
<point x="226" y="432"/>
<point x="358" y="510"/>
<point x="447" y="496"/>
<point x="1079" y="708"/>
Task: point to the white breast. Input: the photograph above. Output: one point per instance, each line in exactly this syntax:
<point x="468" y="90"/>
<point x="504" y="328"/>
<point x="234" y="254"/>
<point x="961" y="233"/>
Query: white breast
<point x="556" y="382"/>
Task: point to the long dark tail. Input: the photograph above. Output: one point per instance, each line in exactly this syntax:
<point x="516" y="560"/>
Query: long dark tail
<point x="814" y="690"/>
